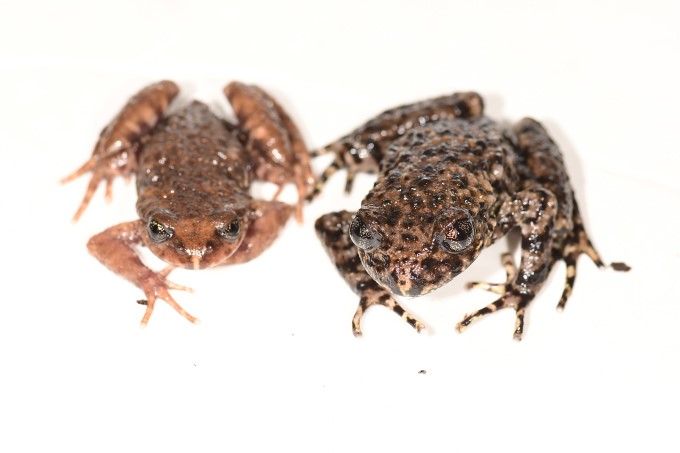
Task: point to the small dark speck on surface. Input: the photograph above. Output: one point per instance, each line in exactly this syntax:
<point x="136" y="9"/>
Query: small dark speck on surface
<point x="422" y="372"/>
<point x="622" y="267"/>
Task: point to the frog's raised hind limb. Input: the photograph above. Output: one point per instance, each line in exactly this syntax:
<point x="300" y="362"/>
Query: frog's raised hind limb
<point x="115" y="153"/>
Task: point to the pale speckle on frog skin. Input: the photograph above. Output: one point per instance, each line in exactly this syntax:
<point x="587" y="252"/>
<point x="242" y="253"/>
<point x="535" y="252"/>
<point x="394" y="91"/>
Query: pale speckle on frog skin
<point x="450" y="182"/>
<point x="193" y="173"/>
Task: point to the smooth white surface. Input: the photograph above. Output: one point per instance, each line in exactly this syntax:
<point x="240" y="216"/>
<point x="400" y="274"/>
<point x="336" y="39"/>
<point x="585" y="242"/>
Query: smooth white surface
<point x="274" y="366"/>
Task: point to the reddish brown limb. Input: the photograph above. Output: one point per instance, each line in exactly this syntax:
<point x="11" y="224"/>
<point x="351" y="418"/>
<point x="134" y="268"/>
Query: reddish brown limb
<point x="97" y="177"/>
<point x="115" y="152"/>
<point x="268" y="219"/>
<point x="114" y="248"/>
<point x="274" y="141"/>
<point x="304" y="179"/>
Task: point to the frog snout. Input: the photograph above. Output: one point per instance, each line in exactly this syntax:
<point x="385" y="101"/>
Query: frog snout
<point x="399" y="280"/>
<point x="409" y="288"/>
<point x="196" y="257"/>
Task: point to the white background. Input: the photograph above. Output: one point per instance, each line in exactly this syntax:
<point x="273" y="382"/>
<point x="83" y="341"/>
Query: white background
<point x="274" y="366"/>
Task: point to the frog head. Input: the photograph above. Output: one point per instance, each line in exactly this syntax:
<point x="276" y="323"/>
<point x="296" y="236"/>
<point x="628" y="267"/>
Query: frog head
<point x="414" y="252"/>
<point x="195" y="242"/>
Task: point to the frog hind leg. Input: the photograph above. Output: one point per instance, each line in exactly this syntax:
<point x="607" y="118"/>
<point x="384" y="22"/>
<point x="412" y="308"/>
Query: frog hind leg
<point x="267" y="218"/>
<point x="542" y="169"/>
<point x="576" y="243"/>
<point x="354" y="157"/>
<point x="543" y="164"/>
<point x="332" y="231"/>
<point x="534" y="211"/>
<point x="274" y="142"/>
<point x="95" y="180"/>
<point x="363" y="149"/>
<point x="115" y="153"/>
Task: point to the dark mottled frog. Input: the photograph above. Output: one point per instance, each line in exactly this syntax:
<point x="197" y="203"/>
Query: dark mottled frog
<point x="193" y="173"/>
<point x="450" y="183"/>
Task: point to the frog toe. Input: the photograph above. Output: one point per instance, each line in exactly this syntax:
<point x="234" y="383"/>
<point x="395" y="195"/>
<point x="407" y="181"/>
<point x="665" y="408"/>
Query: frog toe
<point x="159" y="288"/>
<point x="512" y="298"/>
<point x="334" y="166"/>
<point x="499" y="288"/>
<point x="89" y="192"/>
<point x="386" y="300"/>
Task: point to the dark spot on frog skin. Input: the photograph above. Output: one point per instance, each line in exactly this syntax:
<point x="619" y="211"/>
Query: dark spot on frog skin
<point x="193" y="173"/>
<point x="452" y="182"/>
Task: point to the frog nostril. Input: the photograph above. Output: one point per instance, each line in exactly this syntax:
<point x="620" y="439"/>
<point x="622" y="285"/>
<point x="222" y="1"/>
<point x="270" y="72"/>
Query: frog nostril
<point x="363" y="236"/>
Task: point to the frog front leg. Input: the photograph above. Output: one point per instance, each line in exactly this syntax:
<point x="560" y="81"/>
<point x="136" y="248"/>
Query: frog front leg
<point x="115" y="153"/>
<point x="534" y="211"/>
<point x="332" y="230"/>
<point x="266" y="219"/>
<point x="274" y="142"/>
<point x="363" y="149"/>
<point x="114" y="248"/>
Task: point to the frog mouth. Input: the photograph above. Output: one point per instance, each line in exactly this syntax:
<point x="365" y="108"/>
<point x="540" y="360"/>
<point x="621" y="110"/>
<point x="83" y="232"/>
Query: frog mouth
<point x="409" y="288"/>
<point x="196" y="260"/>
<point x="396" y="281"/>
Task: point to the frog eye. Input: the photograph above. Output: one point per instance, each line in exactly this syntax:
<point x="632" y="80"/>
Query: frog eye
<point x="457" y="236"/>
<point x="159" y="232"/>
<point x="230" y="231"/>
<point x="362" y="236"/>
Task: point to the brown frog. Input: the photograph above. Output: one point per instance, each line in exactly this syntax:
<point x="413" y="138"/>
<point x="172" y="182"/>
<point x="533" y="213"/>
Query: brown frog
<point x="450" y="183"/>
<point x="193" y="172"/>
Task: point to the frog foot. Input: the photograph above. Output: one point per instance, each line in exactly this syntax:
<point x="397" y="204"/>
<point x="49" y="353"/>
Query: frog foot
<point x="157" y="287"/>
<point x="334" y="166"/>
<point x="103" y="169"/>
<point x="384" y="298"/>
<point x="348" y="161"/>
<point x="511" y="297"/>
<point x="571" y="252"/>
<point x="298" y="207"/>
<point x="97" y="177"/>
